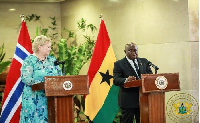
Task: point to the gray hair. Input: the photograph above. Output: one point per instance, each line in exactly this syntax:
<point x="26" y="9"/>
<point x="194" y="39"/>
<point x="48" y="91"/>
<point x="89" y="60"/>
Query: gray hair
<point x="130" y="44"/>
<point x="39" y="40"/>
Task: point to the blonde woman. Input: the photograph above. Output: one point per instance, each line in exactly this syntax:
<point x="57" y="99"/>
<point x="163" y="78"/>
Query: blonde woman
<point x="33" y="70"/>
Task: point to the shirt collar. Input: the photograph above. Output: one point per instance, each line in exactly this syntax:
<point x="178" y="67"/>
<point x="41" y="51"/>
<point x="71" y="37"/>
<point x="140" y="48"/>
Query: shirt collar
<point x="131" y="60"/>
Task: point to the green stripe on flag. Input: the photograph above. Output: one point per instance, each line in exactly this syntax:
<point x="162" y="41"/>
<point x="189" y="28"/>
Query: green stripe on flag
<point x="109" y="108"/>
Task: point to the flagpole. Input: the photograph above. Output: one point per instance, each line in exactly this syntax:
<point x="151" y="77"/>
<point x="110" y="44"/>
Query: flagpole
<point x="22" y="17"/>
<point x="105" y="107"/>
<point x="11" y="103"/>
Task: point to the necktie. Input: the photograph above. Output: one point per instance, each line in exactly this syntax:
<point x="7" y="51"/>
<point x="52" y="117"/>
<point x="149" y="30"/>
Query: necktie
<point x="137" y="68"/>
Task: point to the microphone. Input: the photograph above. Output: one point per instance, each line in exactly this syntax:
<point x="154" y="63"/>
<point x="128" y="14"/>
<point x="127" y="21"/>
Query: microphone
<point x="63" y="67"/>
<point x="154" y="66"/>
<point x="59" y="62"/>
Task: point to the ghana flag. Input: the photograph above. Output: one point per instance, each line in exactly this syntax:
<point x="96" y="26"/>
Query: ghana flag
<point x="101" y="105"/>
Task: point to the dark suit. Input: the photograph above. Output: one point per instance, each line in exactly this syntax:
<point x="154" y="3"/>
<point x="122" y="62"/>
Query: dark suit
<point x="128" y="97"/>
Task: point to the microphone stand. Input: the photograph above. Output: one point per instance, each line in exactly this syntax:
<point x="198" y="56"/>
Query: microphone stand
<point x="156" y="71"/>
<point x="156" y="68"/>
<point x="63" y="68"/>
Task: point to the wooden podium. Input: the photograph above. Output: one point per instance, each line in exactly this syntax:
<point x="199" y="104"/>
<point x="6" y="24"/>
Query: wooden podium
<point x="152" y="99"/>
<point x="59" y="91"/>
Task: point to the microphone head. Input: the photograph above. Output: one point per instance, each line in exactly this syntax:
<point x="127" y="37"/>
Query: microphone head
<point x="56" y="63"/>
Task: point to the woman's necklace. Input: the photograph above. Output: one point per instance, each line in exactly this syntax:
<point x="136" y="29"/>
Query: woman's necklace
<point x="40" y="58"/>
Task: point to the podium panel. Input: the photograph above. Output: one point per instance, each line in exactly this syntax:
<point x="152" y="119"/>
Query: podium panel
<point x="54" y="85"/>
<point x="148" y="82"/>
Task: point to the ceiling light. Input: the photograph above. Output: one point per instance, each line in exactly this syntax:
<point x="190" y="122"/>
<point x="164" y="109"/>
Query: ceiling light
<point x="12" y="10"/>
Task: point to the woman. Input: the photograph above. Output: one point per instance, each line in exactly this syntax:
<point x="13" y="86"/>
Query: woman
<point x="33" y="70"/>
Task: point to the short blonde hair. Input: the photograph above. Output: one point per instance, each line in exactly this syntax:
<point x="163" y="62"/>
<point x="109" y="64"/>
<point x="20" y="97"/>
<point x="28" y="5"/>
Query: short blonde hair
<point x="39" y="40"/>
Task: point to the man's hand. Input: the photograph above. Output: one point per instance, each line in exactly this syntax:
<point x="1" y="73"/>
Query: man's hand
<point x="131" y="78"/>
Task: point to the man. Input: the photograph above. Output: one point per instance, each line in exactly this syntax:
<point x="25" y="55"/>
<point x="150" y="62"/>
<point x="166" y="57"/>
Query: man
<point x="125" y="70"/>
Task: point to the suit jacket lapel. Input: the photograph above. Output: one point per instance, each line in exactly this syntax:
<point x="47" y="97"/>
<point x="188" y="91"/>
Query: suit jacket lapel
<point x="128" y="66"/>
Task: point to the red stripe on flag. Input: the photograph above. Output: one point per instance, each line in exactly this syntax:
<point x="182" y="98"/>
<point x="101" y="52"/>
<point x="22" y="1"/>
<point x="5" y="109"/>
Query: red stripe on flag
<point x="24" y="38"/>
<point x="16" y="116"/>
<point x="100" y="49"/>
<point x="13" y="75"/>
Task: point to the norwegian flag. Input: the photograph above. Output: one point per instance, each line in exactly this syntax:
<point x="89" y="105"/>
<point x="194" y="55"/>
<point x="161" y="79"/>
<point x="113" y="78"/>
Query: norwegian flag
<point x="11" y="104"/>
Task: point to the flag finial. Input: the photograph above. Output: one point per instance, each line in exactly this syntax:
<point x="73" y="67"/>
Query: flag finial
<point x="22" y="17"/>
<point x="101" y="16"/>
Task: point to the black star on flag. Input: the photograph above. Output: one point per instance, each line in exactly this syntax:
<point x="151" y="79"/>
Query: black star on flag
<point x="106" y="77"/>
